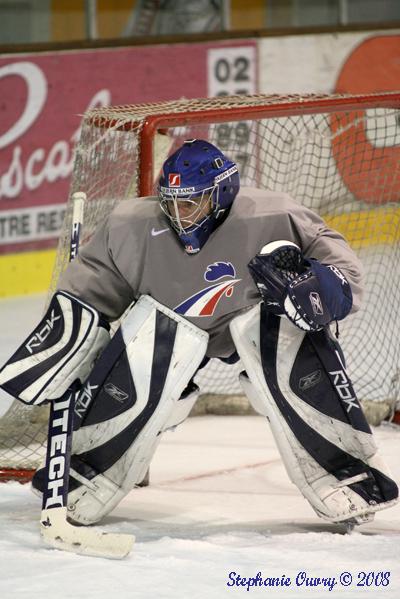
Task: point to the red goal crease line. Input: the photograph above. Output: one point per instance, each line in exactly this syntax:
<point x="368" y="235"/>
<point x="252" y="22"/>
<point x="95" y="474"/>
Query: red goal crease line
<point x="17" y="475"/>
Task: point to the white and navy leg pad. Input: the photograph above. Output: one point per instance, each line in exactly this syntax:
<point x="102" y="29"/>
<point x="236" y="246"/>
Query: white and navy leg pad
<point x="60" y="350"/>
<point x="131" y="396"/>
<point x="298" y="381"/>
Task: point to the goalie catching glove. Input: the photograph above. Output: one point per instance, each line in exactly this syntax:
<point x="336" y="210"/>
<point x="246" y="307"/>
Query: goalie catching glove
<point x="61" y="350"/>
<point x="309" y="293"/>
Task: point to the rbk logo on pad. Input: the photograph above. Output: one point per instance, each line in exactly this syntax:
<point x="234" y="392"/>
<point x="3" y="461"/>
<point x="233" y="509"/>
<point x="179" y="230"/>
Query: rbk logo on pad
<point x="316" y="303"/>
<point x="174" y="179"/>
<point x="115" y="392"/>
<point x="204" y="302"/>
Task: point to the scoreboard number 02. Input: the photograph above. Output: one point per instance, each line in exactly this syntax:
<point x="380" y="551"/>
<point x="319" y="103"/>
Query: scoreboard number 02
<point x="232" y="71"/>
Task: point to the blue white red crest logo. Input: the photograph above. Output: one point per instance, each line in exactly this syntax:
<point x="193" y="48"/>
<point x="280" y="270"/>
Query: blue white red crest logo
<point x="174" y="179"/>
<point x="218" y="270"/>
<point x="204" y="302"/>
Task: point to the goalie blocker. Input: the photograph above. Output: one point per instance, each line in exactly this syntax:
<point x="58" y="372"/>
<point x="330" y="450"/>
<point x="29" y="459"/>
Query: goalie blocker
<point x="60" y="351"/>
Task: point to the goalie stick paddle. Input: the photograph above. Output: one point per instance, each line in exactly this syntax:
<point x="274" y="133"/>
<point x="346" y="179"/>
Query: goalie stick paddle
<point x="55" y="530"/>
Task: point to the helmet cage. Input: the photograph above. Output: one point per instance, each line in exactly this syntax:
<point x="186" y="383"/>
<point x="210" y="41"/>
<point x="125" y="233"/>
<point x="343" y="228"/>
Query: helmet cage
<point x="186" y="221"/>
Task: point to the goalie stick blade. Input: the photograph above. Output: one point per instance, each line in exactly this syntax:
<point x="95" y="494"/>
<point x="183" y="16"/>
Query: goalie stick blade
<point x="58" y="533"/>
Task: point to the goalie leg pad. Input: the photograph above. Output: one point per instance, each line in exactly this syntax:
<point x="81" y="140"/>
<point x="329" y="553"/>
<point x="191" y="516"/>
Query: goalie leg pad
<point x="58" y="352"/>
<point x="298" y="381"/>
<point x="183" y="407"/>
<point x="132" y="395"/>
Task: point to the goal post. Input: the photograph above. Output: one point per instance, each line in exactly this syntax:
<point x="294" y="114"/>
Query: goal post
<point x="339" y="155"/>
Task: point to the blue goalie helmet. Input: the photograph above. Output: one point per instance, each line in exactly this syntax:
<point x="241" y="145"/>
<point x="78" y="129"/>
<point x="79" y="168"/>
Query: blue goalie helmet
<point x="196" y="190"/>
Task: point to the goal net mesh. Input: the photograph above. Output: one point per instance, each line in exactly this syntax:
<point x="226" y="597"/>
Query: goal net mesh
<point x="342" y="163"/>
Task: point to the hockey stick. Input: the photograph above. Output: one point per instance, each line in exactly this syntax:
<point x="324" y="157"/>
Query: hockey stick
<point x="55" y="530"/>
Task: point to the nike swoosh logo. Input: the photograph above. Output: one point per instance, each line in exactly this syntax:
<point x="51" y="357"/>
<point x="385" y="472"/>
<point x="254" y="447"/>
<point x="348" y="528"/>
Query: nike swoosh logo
<point x="155" y="232"/>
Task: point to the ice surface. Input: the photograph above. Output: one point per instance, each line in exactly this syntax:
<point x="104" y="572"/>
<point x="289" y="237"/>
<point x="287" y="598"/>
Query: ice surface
<point x="219" y="502"/>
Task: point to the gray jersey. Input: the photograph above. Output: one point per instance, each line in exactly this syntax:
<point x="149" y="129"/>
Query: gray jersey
<point x="135" y="252"/>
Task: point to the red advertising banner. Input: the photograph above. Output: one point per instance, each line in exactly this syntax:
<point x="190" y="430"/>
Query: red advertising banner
<point x="42" y="98"/>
